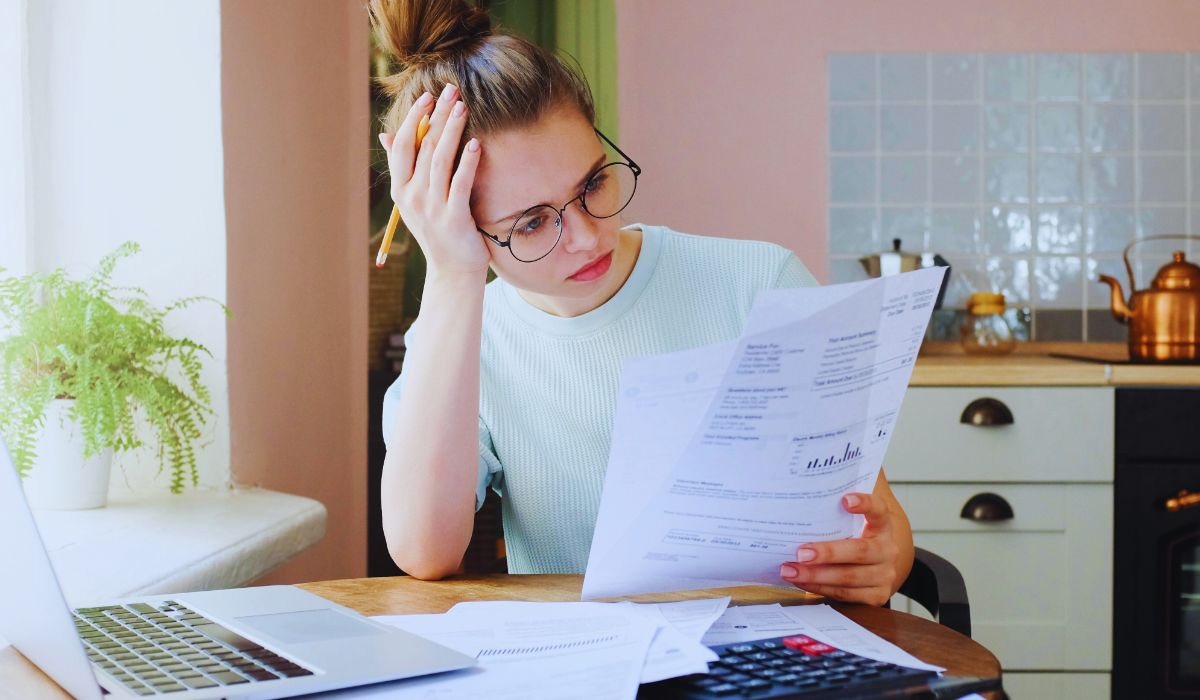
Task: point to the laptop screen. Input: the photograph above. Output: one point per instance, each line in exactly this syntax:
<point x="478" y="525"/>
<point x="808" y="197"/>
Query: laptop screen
<point x="34" y="616"/>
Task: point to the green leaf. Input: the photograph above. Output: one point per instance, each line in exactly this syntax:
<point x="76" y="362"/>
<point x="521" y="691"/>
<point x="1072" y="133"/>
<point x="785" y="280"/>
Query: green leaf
<point x="108" y="348"/>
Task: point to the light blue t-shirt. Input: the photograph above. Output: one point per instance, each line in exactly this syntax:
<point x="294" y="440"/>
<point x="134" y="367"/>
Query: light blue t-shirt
<point x="548" y="384"/>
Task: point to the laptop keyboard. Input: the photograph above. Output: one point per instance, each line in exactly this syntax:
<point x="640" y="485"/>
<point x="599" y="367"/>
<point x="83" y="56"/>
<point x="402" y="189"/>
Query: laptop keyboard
<point x="167" y="648"/>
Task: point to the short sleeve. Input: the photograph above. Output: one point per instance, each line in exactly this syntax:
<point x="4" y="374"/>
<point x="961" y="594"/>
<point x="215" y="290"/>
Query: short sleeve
<point x="490" y="472"/>
<point x="793" y="273"/>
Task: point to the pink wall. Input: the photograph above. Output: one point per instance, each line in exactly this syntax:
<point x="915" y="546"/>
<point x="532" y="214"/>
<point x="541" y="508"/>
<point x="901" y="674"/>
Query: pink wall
<point x="295" y="110"/>
<point x="723" y="102"/>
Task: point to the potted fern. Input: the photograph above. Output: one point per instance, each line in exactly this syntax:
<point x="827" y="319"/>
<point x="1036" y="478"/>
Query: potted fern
<point x="82" y="362"/>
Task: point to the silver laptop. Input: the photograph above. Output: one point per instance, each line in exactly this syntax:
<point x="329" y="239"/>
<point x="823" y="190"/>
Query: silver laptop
<point x="266" y="642"/>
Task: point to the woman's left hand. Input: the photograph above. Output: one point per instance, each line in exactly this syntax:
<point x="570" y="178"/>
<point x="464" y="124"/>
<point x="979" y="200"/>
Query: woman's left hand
<point x="856" y="570"/>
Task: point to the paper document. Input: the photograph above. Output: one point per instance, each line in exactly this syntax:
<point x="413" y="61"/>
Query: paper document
<point x="558" y="650"/>
<point x="727" y="457"/>
<point x="581" y="653"/>
<point x="674" y="651"/>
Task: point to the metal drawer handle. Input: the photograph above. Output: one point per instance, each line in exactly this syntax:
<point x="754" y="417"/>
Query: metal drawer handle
<point x="986" y="507"/>
<point x="986" y="411"/>
<point x="1184" y="499"/>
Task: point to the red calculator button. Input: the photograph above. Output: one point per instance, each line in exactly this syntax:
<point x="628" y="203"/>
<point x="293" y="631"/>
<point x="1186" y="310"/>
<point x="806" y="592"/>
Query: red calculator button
<point x="798" y="641"/>
<point x="816" y="649"/>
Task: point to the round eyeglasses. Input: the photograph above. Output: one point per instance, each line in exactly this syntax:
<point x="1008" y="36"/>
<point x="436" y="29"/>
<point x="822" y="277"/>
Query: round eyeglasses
<point x="606" y="192"/>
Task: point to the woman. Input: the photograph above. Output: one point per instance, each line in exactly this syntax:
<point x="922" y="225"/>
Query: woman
<point x="511" y="384"/>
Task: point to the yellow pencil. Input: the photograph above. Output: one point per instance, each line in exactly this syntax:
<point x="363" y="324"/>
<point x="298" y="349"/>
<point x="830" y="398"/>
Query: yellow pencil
<point x="394" y="219"/>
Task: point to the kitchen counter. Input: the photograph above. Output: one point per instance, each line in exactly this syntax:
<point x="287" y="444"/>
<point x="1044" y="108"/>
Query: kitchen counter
<point x="945" y="364"/>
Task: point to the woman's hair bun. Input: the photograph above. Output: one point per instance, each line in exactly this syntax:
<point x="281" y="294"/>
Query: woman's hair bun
<point x="416" y="31"/>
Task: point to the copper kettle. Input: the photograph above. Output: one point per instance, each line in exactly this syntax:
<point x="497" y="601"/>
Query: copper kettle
<point x="1164" y="320"/>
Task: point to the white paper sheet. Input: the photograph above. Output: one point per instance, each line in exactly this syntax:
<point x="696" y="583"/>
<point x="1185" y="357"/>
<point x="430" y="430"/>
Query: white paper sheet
<point x="564" y="654"/>
<point x="745" y="623"/>
<point x="675" y="650"/>
<point x="725" y="458"/>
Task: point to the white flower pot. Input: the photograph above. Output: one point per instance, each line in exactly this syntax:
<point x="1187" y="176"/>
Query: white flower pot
<point x="61" y="479"/>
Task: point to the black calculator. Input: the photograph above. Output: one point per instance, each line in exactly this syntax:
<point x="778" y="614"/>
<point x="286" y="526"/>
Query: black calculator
<point x="798" y="666"/>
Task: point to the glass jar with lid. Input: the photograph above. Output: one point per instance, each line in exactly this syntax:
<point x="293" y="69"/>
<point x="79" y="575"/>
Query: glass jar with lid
<point x="984" y="331"/>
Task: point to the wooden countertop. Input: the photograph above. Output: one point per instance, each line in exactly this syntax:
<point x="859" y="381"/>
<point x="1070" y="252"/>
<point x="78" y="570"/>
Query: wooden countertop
<point x="945" y="364"/>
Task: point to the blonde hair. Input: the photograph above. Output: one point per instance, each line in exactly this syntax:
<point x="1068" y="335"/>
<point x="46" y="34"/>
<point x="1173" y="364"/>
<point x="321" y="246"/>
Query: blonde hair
<point x="505" y="81"/>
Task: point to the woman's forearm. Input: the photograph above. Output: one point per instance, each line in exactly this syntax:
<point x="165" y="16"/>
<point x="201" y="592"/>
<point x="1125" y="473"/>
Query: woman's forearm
<point x="430" y="472"/>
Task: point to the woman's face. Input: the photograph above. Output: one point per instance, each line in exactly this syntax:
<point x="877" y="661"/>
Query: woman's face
<point x="548" y="163"/>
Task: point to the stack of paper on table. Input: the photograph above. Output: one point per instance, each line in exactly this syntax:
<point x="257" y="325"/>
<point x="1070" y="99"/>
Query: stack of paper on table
<point x="604" y="650"/>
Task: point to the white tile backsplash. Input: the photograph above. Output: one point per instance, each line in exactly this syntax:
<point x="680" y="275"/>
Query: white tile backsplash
<point x="1162" y="127"/>
<point x="1058" y="178"/>
<point x="954" y="179"/>
<point x="1194" y="74"/>
<point x="1058" y="76"/>
<point x="1058" y="128"/>
<point x="955" y="76"/>
<point x="1006" y="127"/>
<point x="1194" y="197"/>
<point x="1108" y="127"/>
<point x="1110" y="180"/>
<point x="1193" y="119"/>
<point x="1163" y="178"/>
<point x="1161" y="76"/>
<point x="954" y="230"/>
<point x="1155" y="221"/>
<point x="1109" y="229"/>
<point x="1006" y="178"/>
<point x="1009" y="276"/>
<point x="1058" y="282"/>
<point x="852" y="128"/>
<point x="1005" y="229"/>
<point x="903" y="179"/>
<point x="851" y="179"/>
<point x="1059" y="229"/>
<point x="909" y="224"/>
<point x="955" y="127"/>
<point x="903" y="76"/>
<point x="904" y="127"/>
<point x="1108" y="76"/>
<point x="1030" y="172"/>
<point x="853" y="230"/>
<point x="1005" y="77"/>
<point x="852" y="77"/>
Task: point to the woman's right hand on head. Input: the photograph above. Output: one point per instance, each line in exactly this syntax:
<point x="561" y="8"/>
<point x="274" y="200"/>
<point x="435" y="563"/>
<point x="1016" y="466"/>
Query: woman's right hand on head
<point x="433" y="201"/>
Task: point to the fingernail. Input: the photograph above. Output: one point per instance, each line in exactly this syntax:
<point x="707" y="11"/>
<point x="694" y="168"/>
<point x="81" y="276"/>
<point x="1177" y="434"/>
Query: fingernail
<point x="473" y="145"/>
<point x="459" y="108"/>
<point x="852" y="501"/>
<point x="786" y="571"/>
<point x="383" y="140"/>
<point x="424" y="99"/>
<point x="447" y="92"/>
<point x="805" y="555"/>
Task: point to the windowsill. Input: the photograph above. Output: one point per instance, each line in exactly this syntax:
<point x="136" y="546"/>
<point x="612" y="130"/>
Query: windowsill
<point x="199" y="540"/>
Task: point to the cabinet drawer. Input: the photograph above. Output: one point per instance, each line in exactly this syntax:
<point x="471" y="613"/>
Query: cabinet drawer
<point x="1058" y="686"/>
<point x="1056" y="434"/>
<point x="1040" y="583"/>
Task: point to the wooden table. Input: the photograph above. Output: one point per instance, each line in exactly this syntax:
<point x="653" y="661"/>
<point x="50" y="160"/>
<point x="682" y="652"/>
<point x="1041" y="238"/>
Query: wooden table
<point x="926" y="640"/>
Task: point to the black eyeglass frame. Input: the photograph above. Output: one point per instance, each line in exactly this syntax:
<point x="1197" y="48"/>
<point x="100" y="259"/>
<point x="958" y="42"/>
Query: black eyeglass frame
<point x="637" y="171"/>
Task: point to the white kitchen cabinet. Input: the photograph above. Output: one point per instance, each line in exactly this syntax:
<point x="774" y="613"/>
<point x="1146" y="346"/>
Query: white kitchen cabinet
<point x="1057" y="434"/>
<point x="1039" y="583"/>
